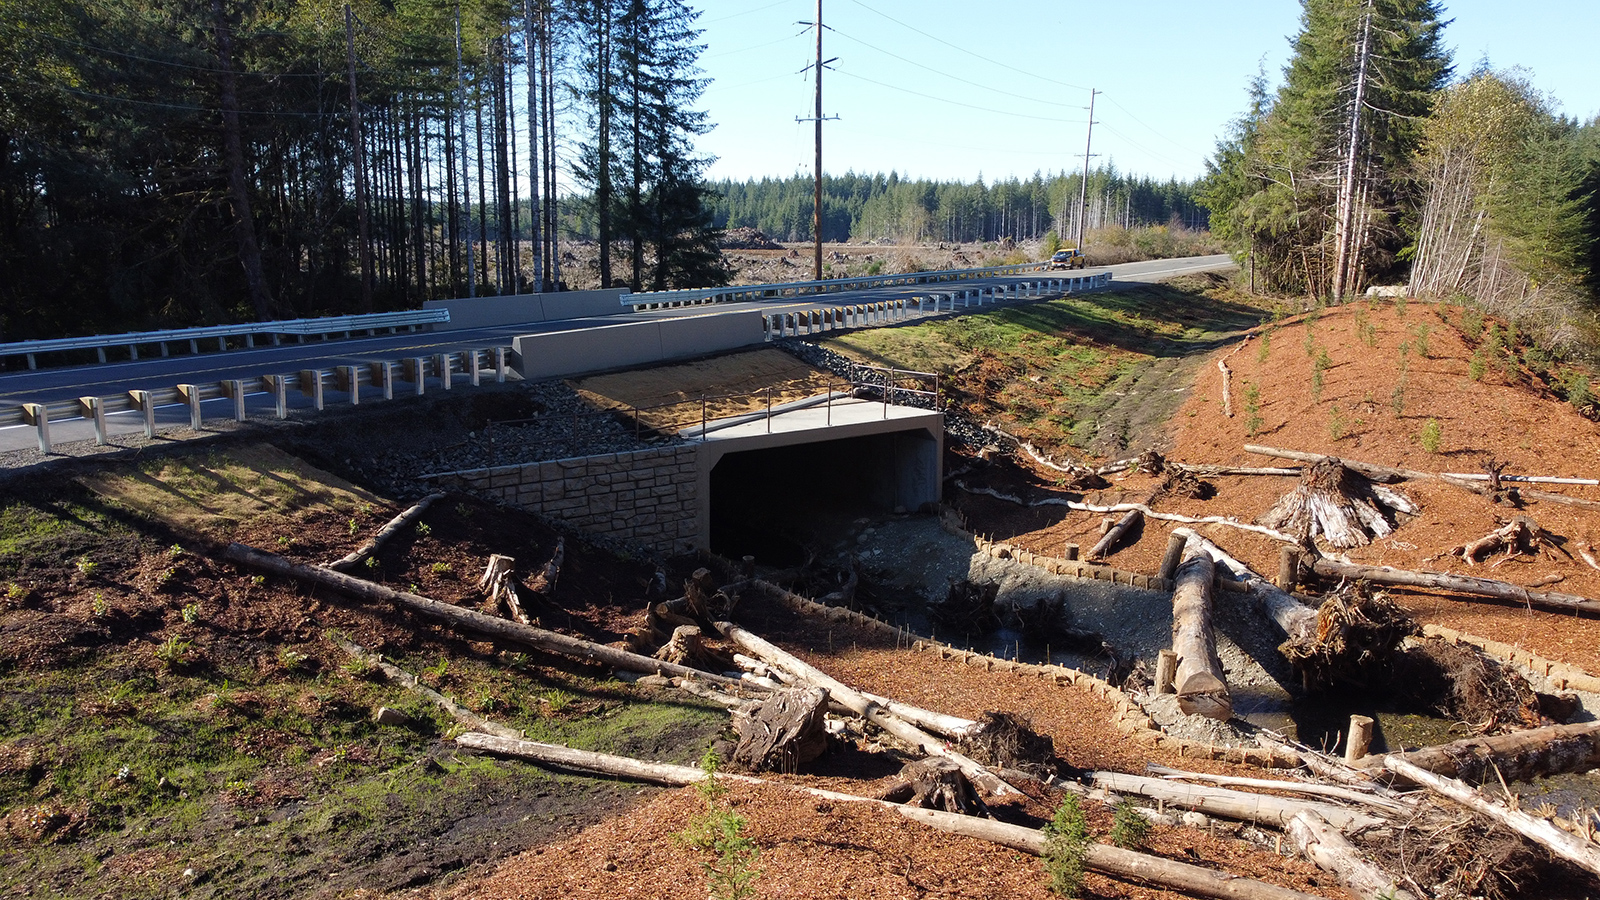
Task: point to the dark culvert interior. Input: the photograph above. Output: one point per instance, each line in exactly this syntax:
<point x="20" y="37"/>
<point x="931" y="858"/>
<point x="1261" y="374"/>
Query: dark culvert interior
<point x="776" y="503"/>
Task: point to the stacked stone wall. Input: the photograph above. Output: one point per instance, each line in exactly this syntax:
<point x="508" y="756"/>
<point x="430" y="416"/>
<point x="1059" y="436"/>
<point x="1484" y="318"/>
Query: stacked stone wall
<point x="644" y="497"/>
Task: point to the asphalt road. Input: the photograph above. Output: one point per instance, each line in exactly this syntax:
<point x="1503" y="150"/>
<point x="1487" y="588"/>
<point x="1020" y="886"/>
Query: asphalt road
<point x="116" y="378"/>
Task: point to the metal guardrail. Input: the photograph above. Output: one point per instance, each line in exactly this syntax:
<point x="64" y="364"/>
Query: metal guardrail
<point x="775" y="326"/>
<point x="299" y="328"/>
<point x="694" y="296"/>
<point x="313" y="383"/>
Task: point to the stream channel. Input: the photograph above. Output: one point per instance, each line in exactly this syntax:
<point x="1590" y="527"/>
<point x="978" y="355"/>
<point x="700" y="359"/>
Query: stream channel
<point x="908" y="563"/>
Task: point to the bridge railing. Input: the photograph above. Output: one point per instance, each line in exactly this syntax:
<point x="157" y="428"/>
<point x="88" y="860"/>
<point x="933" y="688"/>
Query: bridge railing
<point x="405" y="376"/>
<point x="695" y="296"/>
<point x="248" y="332"/>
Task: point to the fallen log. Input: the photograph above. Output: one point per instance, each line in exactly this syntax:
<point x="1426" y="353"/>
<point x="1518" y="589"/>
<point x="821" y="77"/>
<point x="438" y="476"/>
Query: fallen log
<point x="1392" y="806"/>
<point x="411" y="683"/>
<point x="395" y="526"/>
<point x="1115" y="533"/>
<point x="1113" y="861"/>
<point x="782" y="732"/>
<point x="1516" y="756"/>
<point x="1201" y="687"/>
<point x="1297" y="620"/>
<point x="463" y="619"/>
<point x="1125" y="507"/>
<point x="918" y="739"/>
<point x="1460" y="584"/>
<point x="1129" y="865"/>
<point x="1333" y="853"/>
<point x="1241" y="805"/>
<point x="1543" y="832"/>
<point x="1391" y="473"/>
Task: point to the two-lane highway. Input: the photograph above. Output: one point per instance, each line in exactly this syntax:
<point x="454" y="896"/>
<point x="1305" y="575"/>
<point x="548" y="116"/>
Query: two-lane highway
<point x="117" y="378"/>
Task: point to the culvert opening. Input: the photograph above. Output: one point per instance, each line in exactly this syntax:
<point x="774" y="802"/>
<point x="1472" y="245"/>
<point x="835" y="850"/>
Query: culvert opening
<point x="781" y="504"/>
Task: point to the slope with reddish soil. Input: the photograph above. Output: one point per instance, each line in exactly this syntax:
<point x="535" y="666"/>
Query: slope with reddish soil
<point x="1505" y="412"/>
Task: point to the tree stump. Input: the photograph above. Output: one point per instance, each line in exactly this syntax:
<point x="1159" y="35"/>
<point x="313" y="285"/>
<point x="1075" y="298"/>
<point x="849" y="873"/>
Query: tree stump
<point x="935" y="783"/>
<point x="1520" y="535"/>
<point x="499" y="583"/>
<point x="1333" y="502"/>
<point x="783" y="732"/>
<point x="544" y="583"/>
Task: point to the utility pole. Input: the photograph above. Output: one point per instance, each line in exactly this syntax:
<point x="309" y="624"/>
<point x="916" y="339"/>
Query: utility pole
<point x="363" y="230"/>
<point x="1083" y="187"/>
<point x="816" y="212"/>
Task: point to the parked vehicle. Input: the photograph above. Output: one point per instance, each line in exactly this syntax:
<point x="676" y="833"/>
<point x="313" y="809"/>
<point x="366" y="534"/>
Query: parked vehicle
<point x="1068" y="259"/>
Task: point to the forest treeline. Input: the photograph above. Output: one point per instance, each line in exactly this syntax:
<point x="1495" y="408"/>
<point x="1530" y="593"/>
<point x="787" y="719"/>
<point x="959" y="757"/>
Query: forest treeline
<point x="184" y="162"/>
<point x="1375" y="163"/>
<point x="873" y="207"/>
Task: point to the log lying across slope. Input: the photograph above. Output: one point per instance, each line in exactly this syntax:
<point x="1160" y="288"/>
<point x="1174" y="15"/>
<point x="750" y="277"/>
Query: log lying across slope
<point x="395" y="526"/>
<point x="1459" y="584"/>
<point x="1125" y="864"/>
<point x="1517" y="756"/>
<point x="466" y="619"/>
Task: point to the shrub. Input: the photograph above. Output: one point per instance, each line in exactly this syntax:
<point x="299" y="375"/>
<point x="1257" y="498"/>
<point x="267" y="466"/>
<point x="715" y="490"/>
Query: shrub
<point x="1397" y="399"/>
<point x="1066" y="848"/>
<point x="1128" y="828"/>
<point x="1430" y="436"/>
<point x="1336" y="423"/>
<point x="732" y="874"/>
<point x="1252" y="408"/>
<point x="1421" y="331"/>
<point x="1477" y="366"/>
<point x="1578" y="390"/>
<point x="1319" y="365"/>
<point x="1471" y="322"/>
<point x="1265" y="350"/>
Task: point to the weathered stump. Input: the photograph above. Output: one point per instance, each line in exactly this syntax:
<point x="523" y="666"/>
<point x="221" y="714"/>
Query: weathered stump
<point x="1335" y="503"/>
<point x="783" y="732"/>
<point x="935" y="783"/>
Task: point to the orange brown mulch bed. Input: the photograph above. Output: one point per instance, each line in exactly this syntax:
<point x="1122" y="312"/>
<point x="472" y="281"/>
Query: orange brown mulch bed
<point x="1515" y="418"/>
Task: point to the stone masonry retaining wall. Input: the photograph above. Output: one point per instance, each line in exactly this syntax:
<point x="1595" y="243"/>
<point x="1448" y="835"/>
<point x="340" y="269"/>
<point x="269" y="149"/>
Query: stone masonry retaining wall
<point x="643" y="497"/>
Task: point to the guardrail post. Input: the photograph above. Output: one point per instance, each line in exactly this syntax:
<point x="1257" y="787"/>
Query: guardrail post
<point x="235" y="389"/>
<point x="415" y="371"/>
<point x="472" y="360"/>
<point x="249" y="340"/>
<point x="311" y="385"/>
<point x="38" y="415"/>
<point x="500" y="365"/>
<point x="348" y="378"/>
<point x="279" y="386"/>
<point x="92" y="408"/>
<point x="142" y="402"/>
<point x="381" y="374"/>
<point x="443" y="363"/>
<point x="191" y="396"/>
<point x="133" y="351"/>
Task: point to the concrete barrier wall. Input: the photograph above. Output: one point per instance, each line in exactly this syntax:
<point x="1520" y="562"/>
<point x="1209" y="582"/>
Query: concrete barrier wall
<point x="644" y="497"/>
<point x="491" y="312"/>
<point x="562" y="353"/>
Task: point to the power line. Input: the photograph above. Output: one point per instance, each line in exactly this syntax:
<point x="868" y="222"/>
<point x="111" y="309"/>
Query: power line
<point x="176" y="106"/>
<point x="998" y="112"/>
<point x="1002" y="65"/>
<point x="1147" y="127"/>
<point x="746" y="12"/>
<point x="956" y="79"/>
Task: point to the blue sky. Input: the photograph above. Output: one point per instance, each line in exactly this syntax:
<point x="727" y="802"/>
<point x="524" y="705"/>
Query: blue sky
<point x="954" y="88"/>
